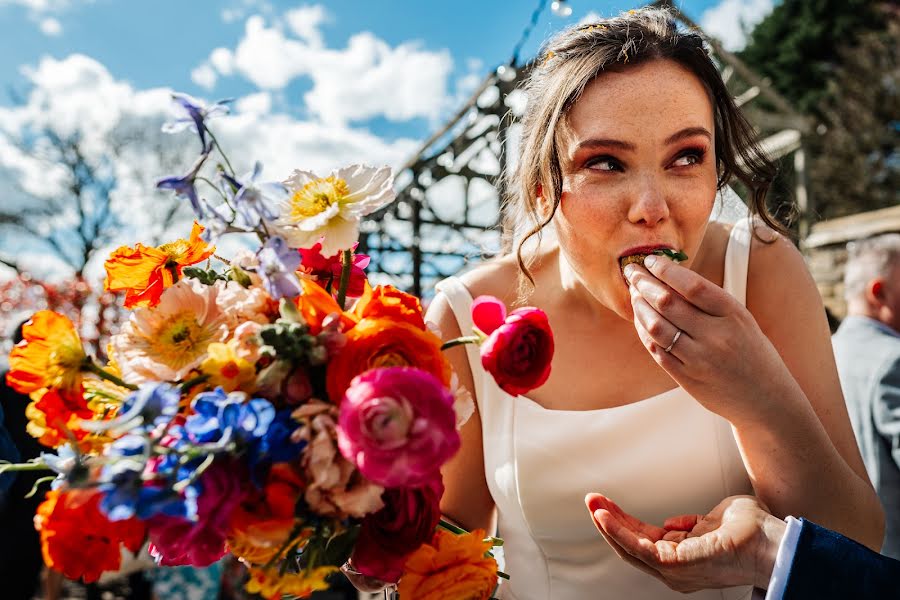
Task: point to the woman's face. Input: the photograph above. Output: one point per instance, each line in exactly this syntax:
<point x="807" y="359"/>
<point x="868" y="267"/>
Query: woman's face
<point x="639" y="173"/>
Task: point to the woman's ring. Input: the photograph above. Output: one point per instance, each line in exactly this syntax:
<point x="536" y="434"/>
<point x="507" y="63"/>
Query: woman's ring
<point x="674" y="339"/>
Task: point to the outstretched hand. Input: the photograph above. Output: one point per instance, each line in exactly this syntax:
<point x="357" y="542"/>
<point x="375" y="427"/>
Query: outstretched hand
<point x="735" y="544"/>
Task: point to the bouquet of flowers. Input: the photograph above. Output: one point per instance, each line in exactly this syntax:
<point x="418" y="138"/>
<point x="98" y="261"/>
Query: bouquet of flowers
<point x="248" y="407"/>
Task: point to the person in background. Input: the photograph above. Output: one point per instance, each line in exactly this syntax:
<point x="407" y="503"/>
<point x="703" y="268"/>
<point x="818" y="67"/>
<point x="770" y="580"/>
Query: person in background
<point x="867" y="351"/>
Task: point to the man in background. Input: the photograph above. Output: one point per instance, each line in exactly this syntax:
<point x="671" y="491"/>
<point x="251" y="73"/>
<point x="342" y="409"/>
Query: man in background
<point x="867" y="351"/>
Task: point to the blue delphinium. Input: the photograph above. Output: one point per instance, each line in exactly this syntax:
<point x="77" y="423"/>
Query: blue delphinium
<point x="278" y="264"/>
<point x="220" y="418"/>
<point x="197" y="114"/>
<point x="184" y="185"/>
<point x="254" y="200"/>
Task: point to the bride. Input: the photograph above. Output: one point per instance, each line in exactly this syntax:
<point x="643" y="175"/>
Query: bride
<point x="673" y="385"/>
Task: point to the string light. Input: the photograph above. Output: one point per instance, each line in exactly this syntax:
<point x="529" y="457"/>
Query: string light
<point x="561" y="8"/>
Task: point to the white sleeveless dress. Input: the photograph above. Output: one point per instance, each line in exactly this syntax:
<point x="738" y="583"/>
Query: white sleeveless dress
<point x="658" y="457"/>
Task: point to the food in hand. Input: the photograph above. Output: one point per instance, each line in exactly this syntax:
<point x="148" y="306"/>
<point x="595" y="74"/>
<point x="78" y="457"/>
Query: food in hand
<point x="676" y="255"/>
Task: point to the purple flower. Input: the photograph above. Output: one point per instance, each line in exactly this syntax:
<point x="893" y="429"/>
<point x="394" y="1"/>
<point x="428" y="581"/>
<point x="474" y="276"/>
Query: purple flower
<point x="253" y="200"/>
<point x="184" y="186"/>
<point x="277" y="267"/>
<point x="197" y="113"/>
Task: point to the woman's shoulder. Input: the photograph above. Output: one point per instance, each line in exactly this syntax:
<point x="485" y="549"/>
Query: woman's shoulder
<point x="777" y="276"/>
<point x="498" y="277"/>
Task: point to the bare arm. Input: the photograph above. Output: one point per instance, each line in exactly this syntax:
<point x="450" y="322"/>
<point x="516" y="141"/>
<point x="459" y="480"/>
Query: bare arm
<point x="802" y="454"/>
<point x="467" y="500"/>
<point x="769" y="370"/>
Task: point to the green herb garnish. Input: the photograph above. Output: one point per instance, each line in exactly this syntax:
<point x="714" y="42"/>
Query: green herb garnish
<point x="676" y="255"/>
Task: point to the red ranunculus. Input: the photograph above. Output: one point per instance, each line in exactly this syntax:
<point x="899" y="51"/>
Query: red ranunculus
<point x="390" y="535"/>
<point x="519" y="349"/>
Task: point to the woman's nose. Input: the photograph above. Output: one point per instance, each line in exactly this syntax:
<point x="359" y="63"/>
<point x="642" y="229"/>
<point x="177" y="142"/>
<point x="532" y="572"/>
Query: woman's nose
<point x="649" y="205"/>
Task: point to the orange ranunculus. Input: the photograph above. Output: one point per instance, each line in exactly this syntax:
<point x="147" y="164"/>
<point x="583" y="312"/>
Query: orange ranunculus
<point x="78" y="540"/>
<point x="50" y="355"/>
<point x="143" y="272"/>
<point x="386" y="301"/>
<point x="261" y="524"/>
<point x="385" y="343"/>
<point x="452" y="567"/>
<point x="315" y="304"/>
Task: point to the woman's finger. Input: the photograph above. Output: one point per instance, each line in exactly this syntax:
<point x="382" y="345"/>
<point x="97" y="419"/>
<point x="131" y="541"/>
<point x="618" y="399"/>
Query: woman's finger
<point x="656" y="345"/>
<point x="663" y="298"/>
<point x="681" y="522"/>
<point x="624" y="543"/>
<point x="692" y="286"/>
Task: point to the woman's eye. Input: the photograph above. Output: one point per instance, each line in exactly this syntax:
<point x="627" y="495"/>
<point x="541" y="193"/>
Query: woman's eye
<point x="689" y="158"/>
<point x="604" y="163"/>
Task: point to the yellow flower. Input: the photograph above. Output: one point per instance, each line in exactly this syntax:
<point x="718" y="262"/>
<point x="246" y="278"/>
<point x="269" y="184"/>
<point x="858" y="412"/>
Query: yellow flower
<point x="269" y="584"/>
<point x="50" y="355"/>
<point x="226" y="369"/>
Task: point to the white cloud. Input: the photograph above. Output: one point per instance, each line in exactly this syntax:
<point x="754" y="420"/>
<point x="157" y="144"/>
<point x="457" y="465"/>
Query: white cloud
<point x="50" y="26"/>
<point x="368" y="78"/>
<point x="78" y="94"/>
<point x="305" y="22"/>
<point x="259" y="103"/>
<point x="729" y="20"/>
<point x="269" y="59"/>
<point x="204" y="76"/>
<point x="222" y="60"/>
<point x="38" y="6"/>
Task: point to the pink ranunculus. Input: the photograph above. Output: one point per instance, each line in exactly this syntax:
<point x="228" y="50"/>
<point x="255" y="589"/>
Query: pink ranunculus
<point x="406" y="522"/>
<point x="397" y="426"/>
<point x="488" y="313"/>
<point x="175" y="541"/>
<point x="518" y="353"/>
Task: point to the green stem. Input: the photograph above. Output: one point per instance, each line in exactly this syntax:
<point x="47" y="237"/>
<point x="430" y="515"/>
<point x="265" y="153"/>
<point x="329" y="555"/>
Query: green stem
<point x="91" y="367"/>
<point x="466" y="339"/>
<point x="192" y="382"/>
<point x="451" y="527"/>
<point x="29" y="466"/>
<point x="347" y="265"/>
<point x="222" y="152"/>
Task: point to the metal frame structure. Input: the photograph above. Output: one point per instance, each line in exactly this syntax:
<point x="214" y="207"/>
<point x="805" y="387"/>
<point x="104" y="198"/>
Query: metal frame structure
<point x="449" y="211"/>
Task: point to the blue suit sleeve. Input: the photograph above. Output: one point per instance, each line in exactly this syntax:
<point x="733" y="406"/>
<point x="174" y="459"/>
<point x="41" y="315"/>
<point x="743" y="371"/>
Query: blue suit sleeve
<point x="829" y="566"/>
<point x="886" y="408"/>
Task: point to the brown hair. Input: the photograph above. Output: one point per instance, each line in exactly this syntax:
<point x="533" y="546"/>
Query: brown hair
<point x="573" y="59"/>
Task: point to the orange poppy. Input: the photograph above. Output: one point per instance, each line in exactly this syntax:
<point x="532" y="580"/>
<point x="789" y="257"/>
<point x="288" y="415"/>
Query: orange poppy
<point x="385" y="343"/>
<point x="452" y="567"/>
<point x="78" y="540"/>
<point x="315" y="304"/>
<point x="143" y="272"/>
<point x="386" y="301"/>
<point x="50" y="355"/>
<point x="52" y="417"/>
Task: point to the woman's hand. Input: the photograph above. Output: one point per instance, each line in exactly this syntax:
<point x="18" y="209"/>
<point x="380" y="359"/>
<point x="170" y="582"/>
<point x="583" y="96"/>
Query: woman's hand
<point x="721" y="357"/>
<point x="735" y="544"/>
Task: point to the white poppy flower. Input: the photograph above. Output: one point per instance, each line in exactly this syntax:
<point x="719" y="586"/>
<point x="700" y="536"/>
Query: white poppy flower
<point x="331" y="207"/>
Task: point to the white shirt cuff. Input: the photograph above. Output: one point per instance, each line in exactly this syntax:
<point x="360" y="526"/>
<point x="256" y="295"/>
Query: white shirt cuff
<point x="783" y="559"/>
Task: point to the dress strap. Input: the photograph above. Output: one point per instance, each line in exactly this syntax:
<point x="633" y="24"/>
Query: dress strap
<point x="737" y="260"/>
<point x="460" y="300"/>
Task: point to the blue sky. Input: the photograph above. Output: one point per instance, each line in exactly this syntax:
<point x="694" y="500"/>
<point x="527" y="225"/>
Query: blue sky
<point x="316" y="85"/>
<point x="159" y="43"/>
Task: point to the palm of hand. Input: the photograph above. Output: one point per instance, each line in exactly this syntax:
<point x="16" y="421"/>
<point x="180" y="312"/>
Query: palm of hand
<point x="692" y="552"/>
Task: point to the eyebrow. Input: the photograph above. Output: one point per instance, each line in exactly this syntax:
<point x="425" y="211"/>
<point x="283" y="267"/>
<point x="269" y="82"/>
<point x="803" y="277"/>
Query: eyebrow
<point x="611" y="143"/>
